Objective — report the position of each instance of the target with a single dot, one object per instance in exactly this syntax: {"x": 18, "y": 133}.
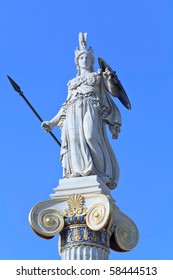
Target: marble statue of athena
{"x": 83, "y": 118}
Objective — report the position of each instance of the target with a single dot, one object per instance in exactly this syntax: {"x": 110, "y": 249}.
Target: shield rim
{"x": 122, "y": 93}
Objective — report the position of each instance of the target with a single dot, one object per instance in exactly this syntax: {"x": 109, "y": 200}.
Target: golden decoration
{"x": 97, "y": 216}
{"x": 76, "y": 206}
{"x": 76, "y": 236}
{"x": 68, "y": 238}
{"x": 67, "y": 246}
{"x": 83, "y": 236}
{"x": 86, "y": 234}
{"x": 51, "y": 221}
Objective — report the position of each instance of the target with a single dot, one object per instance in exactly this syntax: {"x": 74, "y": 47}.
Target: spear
{"x": 17, "y": 88}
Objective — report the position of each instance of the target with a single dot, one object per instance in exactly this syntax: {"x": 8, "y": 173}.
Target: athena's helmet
{"x": 83, "y": 49}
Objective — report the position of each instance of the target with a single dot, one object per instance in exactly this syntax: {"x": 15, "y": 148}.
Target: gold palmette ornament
{"x": 76, "y": 206}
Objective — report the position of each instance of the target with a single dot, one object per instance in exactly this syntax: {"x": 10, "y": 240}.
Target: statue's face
{"x": 84, "y": 61}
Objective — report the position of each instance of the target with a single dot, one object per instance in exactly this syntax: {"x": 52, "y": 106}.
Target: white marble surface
{"x": 81, "y": 185}
{"x": 84, "y": 253}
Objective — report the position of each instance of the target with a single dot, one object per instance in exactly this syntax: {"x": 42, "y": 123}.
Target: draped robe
{"x": 85, "y": 148}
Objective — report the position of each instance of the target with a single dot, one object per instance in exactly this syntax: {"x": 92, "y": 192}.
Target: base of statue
{"x": 80, "y": 185}
{"x": 86, "y": 218}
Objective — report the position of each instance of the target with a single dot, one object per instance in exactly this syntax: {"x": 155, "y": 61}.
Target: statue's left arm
{"x": 112, "y": 115}
{"x": 110, "y": 83}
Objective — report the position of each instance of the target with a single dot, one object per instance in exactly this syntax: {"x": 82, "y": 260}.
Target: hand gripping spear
{"x": 17, "y": 88}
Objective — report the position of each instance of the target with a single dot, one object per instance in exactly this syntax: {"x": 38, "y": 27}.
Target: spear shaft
{"x": 17, "y": 88}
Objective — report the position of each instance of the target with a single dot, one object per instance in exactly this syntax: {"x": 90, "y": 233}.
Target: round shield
{"x": 122, "y": 94}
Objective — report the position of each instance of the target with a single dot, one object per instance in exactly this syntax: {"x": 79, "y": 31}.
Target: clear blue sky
{"x": 38, "y": 39}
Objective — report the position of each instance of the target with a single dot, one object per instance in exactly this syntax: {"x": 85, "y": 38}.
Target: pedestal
{"x": 86, "y": 218}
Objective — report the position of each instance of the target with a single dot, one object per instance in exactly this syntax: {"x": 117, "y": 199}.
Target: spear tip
{"x": 14, "y": 85}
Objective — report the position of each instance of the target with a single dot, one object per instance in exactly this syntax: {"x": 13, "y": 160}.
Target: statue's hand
{"x": 115, "y": 130}
{"x": 47, "y": 126}
{"x": 107, "y": 74}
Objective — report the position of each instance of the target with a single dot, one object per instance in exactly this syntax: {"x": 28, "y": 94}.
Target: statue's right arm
{"x": 58, "y": 119}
